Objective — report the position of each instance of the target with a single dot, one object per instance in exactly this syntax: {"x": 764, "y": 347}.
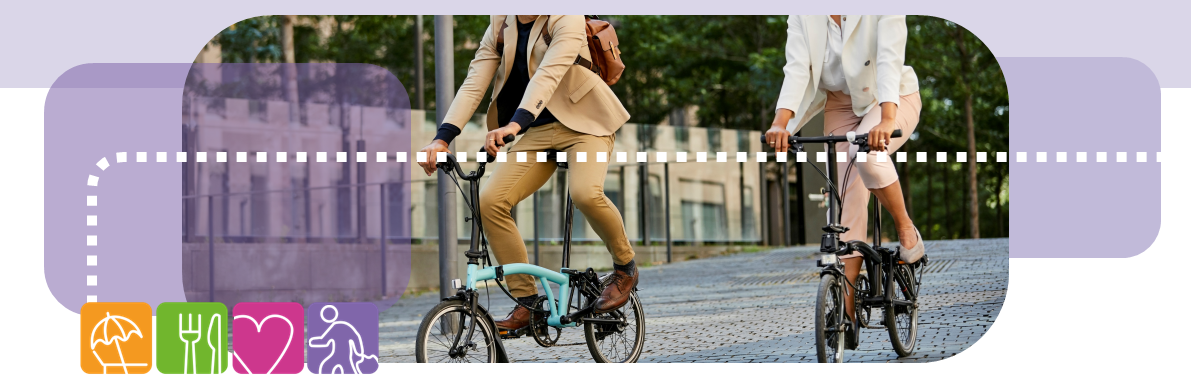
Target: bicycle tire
{"x": 604, "y": 350}
{"x": 437, "y": 349}
{"x": 901, "y": 320}
{"x": 829, "y": 313}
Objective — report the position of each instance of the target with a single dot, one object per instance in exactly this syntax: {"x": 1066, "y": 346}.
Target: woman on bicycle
{"x": 852, "y": 69}
{"x": 543, "y": 92}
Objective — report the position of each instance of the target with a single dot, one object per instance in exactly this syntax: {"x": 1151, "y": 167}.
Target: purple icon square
{"x": 344, "y": 338}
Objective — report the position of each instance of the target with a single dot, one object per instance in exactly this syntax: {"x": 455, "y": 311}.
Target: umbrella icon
{"x": 114, "y": 329}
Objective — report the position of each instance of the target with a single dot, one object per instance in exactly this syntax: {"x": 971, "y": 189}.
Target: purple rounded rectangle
{"x": 116, "y": 236}
{"x": 343, "y": 338}
{"x": 1089, "y": 105}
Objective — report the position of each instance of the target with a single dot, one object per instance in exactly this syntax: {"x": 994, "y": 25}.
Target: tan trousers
{"x": 838, "y": 119}
{"x": 513, "y": 182}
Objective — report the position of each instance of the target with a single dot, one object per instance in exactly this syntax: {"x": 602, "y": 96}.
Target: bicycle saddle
{"x": 552, "y": 155}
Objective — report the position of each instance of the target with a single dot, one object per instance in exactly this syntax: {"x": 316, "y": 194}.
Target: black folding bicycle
{"x": 897, "y": 292}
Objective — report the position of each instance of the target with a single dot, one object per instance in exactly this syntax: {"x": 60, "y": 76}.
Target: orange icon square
{"x": 116, "y": 338}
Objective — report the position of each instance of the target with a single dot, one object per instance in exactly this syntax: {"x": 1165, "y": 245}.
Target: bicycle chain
{"x": 541, "y": 332}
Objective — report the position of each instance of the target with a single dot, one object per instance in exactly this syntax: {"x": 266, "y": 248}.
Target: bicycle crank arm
{"x": 603, "y": 321}
{"x": 569, "y": 318}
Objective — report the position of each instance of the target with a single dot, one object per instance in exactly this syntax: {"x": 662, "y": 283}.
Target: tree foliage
{"x": 727, "y": 67}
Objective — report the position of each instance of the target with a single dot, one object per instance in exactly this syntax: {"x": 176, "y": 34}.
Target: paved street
{"x": 757, "y": 307}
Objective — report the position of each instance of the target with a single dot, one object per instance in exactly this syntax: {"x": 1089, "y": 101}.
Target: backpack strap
{"x": 546, "y": 37}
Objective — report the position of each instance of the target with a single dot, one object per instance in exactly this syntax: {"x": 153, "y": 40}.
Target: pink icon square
{"x": 267, "y": 338}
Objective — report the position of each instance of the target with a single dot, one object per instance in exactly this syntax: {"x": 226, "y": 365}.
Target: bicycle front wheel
{"x": 621, "y": 342}
{"x": 442, "y": 337}
{"x": 902, "y": 320}
{"x": 829, "y": 320}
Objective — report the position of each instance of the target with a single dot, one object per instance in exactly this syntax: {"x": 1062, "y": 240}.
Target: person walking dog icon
{"x": 347, "y": 355}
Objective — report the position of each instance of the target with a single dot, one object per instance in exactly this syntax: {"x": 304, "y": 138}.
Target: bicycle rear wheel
{"x": 618, "y": 343}
{"x": 902, "y": 320}
{"x": 829, "y": 320}
{"x": 447, "y": 321}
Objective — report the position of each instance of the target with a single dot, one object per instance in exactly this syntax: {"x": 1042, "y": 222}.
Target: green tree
{"x": 965, "y": 107}
{"x": 730, "y": 69}
{"x": 727, "y": 66}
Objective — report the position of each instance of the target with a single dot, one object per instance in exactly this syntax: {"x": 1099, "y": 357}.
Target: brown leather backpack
{"x": 602, "y": 43}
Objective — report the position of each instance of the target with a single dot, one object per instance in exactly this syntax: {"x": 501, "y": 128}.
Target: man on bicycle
{"x": 541, "y": 92}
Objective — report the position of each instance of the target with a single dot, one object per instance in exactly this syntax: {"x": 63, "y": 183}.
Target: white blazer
{"x": 873, "y": 57}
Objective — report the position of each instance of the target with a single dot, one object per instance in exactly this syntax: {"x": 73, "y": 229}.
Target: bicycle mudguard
{"x": 501, "y": 355}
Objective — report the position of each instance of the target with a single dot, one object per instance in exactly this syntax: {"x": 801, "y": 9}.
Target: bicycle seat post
{"x": 569, "y": 209}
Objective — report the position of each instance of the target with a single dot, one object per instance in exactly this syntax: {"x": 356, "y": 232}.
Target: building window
{"x": 748, "y": 224}
{"x": 218, "y": 189}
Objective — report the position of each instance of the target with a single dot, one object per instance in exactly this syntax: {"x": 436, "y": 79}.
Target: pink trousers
{"x": 838, "y": 119}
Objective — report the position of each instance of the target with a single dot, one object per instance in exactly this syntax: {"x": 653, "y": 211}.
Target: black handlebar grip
{"x": 489, "y": 158}
{"x": 896, "y": 134}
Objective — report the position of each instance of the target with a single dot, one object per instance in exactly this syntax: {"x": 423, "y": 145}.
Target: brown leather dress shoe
{"x": 616, "y": 294}
{"x": 518, "y": 319}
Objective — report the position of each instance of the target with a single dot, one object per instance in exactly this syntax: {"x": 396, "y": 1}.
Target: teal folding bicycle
{"x": 459, "y": 329}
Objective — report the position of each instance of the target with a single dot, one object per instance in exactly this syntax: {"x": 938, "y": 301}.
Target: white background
{"x": 1072, "y": 317}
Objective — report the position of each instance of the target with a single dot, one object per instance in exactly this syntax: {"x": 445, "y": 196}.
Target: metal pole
{"x": 763, "y": 192}
{"x": 211, "y": 247}
{"x": 361, "y": 204}
{"x": 384, "y": 240}
{"x": 743, "y": 204}
{"x": 666, "y": 187}
{"x": 536, "y": 226}
{"x": 786, "y": 227}
{"x": 644, "y": 173}
{"x": 419, "y": 62}
{"x": 444, "y": 84}
{"x": 800, "y": 203}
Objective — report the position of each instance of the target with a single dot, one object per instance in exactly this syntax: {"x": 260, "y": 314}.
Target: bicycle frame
{"x": 558, "y": 302}
{"x": 874, "y": 254}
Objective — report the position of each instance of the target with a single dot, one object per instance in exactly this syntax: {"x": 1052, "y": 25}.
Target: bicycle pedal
{"x": 510, "y": 334}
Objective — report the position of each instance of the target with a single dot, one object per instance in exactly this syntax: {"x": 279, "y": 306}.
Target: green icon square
{"x": 192, "y": 338}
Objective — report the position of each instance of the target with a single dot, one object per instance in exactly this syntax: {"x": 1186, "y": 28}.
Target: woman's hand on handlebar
{"x": 432, "y": 151}
{"x": 495, "y": 138}
{"x": 778, "y": 138}
{"x": 881, "y": 134}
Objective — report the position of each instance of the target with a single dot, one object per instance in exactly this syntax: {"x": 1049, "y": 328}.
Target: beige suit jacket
{"x": 575, "y": 95}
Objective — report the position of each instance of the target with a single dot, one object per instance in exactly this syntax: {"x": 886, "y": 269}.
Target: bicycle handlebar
{"x": 452, "y": 163}
{"x": 856, "y": 139}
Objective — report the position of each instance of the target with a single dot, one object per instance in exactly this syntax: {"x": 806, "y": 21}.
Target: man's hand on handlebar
{"x": 496, "y": 138}
{"x": 778, "y": 138}
{"x": 432, "y": 151}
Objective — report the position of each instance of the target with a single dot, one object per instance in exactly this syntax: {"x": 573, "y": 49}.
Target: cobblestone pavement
{"x": 757, "y": 307}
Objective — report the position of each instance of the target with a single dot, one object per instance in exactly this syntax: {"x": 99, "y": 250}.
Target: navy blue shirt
{"x": 511, "y": 93}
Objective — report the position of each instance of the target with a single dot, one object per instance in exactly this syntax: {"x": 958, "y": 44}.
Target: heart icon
{"x": 265, "y": 338}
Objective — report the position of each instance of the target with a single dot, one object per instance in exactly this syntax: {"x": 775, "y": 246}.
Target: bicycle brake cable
{"x": 844, "y": 194}
{"x": 834, "y": 190}
{"x": 460, "y": 187}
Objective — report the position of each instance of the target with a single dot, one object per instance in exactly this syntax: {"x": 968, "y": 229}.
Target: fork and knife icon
{"x": 191, "y": 333}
